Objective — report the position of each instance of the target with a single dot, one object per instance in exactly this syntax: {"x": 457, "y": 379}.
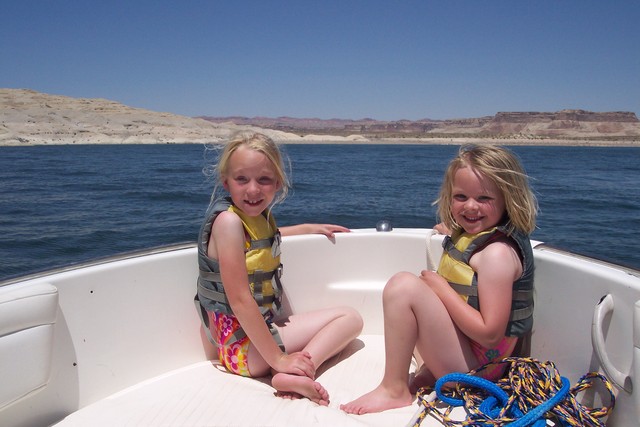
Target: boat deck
{"x": 119, "y": 342}
{"x": 203, "y": 394}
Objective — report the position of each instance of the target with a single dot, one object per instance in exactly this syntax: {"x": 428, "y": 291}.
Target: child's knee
{"x": 400, "y": 284}
{"x": 354, "y": 318}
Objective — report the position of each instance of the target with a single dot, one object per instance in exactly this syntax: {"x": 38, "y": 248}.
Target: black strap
{"x": 518, "y": 295}
{"x": 239, "y": 334}
{"x": 256, "y": 277}
{"x": 523, "y": 295}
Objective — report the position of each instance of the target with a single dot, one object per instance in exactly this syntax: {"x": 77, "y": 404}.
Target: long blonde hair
{"x": 502, "y": 167}
{"x": 262, "y": 144}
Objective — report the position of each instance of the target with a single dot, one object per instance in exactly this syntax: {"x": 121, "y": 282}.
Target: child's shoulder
{"x": 499, "y": 253}
{"x": 500, "y": 246}
{"x": 227, "y": 220}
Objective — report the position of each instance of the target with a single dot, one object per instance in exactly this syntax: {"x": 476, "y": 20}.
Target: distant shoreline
{"x": 30, "y": 118}
{"x": 375, "y": 141}
{"x": 460, "y": 141}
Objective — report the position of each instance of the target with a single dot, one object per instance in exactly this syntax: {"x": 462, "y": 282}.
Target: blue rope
{"x": 530, "y": 393}
{"x": 492, "y": 407}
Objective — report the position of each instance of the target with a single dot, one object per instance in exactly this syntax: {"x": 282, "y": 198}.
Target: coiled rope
{"x": 528, "y": 394}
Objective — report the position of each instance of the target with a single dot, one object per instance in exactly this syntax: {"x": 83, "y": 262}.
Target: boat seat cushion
{"x": 27, "y": 318}
{"x": 204, "y": 394}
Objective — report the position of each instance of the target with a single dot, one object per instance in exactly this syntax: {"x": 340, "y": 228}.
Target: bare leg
{"x": 322, "y": 333}
{"x": 414, "y": 317}
{"x": 399, "y": 342}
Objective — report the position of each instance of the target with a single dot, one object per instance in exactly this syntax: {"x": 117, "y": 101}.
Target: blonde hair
{"x": 502, "y": 167}
{"x": 262, "y": 144}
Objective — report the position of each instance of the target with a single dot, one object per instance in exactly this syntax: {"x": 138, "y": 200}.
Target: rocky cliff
{"x": 32, "y": 118}
{"x": 565, "y": 124}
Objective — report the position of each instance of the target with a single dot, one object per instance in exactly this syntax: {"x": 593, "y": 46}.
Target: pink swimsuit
{"x": 486, "y": 355}
{"x": 233, "y": 356}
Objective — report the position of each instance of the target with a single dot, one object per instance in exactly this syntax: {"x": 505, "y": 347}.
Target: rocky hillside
{"x": 33, "y": 118}
{"x": 565, "y": 124}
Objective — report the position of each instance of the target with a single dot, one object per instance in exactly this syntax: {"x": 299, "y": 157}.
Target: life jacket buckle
{"x": 275, "y": 247}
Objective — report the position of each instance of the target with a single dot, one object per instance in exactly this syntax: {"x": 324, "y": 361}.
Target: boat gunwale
{"x": 632, "y": 271}
{"x": 121, "y": 256}
{"x": 138, "y": 253}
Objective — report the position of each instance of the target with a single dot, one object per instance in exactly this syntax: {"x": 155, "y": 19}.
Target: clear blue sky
{"x": 349, "y": 59}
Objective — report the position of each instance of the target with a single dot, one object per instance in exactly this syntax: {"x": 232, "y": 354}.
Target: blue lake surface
{"x": 67, "y": 204}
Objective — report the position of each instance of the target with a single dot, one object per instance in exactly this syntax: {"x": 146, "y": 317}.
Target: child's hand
{"x": 298, "y": 363}
{"x": 442, "y": 229}
{"x": 329, "y": 229}
{"x": 434, "y": 280}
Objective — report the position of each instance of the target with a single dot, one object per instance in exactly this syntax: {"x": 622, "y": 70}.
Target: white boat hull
{"x": 119, "y": 342}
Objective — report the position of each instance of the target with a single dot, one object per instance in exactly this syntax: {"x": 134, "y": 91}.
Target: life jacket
{"x": 454, "y": 266}
{"x": 262, "y": 255}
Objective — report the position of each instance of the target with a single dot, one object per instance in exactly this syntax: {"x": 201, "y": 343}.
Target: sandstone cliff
{"x": 31, "y": 118}
{"x": 565, "y": 123}
{"x": 561, "y": 125}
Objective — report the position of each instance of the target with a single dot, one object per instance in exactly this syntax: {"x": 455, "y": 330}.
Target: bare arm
{"x": 326, "y": 229}
{"x": 228, "y": 229}
{"x": 497, "y": 266}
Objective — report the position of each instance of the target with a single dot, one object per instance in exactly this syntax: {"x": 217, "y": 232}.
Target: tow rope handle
{"x": 603, "y": 309}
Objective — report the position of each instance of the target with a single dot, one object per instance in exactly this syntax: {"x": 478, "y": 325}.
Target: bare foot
{"x": 378, "y": 400}
{"x": 289, "y": 385}
{"x": 422, "y": 378}
{"x": 288, "y": 395}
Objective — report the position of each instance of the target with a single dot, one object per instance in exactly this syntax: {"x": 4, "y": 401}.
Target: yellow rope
{"x": 528, "y": 383}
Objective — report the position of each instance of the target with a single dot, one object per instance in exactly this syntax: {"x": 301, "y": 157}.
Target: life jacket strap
{"x": 521, "y": 313}
{"x": 260, "y": 244}
{"x": 221, "y": 298}
{"x": 239, "y": 334}
{"x": 204, "y": 319}
{"x": 271, "y": 242}
{"x": 456, "y": 254}
{"x": 523, "y": 295}
{"x": 257, "y": 276}
{"x": 518, "y": 295}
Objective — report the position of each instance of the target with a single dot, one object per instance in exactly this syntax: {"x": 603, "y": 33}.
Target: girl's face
{"x": 251, "y": 181}
{"x": 477, "y": 203}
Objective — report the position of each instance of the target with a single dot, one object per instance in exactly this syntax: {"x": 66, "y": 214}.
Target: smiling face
{"x": 477, "y": 203}
{"x": 251, "y": 181}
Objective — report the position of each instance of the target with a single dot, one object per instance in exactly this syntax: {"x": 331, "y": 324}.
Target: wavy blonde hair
{"x": 262, "y": 144}
{"x": 502, "y": 167}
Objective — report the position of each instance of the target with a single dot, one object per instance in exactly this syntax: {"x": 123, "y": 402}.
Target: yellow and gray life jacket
{"x": 262, "y": 255}
{"x": 454, "y": 266}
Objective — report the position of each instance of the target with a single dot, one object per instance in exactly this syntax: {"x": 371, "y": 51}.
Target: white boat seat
{"x": 183, "y": 397}
{"x": 27, "y": 318}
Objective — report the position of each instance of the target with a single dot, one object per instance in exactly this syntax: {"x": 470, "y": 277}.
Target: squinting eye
{"x": 460, "y": 197}
{"x": 265, "y": 180}
{"x": 241, "y": 179}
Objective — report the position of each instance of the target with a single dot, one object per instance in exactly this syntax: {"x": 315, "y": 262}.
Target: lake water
{"x": 68, "y": 204}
